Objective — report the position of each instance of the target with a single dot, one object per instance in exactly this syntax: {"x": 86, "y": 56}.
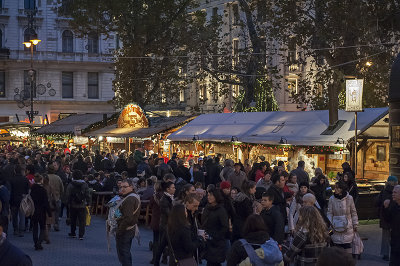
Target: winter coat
{"x": 57, "y": 186}
{"x": 41, "y": 202}
{"x": 238, "y": 253}
{"x": 226, "y": 172}
{"x": 392, "y": 216}
{"x": 302, "y": 176}
{"x": 10, "y": 255}
{"x": 236, "y": 179}
{"x": 154, "y": 205}
{"x": 385, "y": 194}
{"x": 78, "y": 186}
{"x": 19, "y": 187}
{"x": 165, "y": 208}
{"x": 5, "y": 201}
{"x": 264, "y": 184}
{"x": 275, "y": 223}
{"x": 243, "y": 206}
{"x": 106, "y": 165}
{"x": 293, "y": 213}
{"x": 215, "y": 223}
{"x": 343, "y": 206}
{"x": 279, "y": 200}
{"x": 129, "y": 217}
{"x": 319, "y": 192}
{"x": 183, "y": 244}
{"x": 183, "y": 172}
{"x": 80, "y": 165}
{"x": 198, "y": 176}
{"x": 120, "y": 165}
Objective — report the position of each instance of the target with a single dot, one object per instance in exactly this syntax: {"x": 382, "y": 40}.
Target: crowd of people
{"x": 202, "y": 210}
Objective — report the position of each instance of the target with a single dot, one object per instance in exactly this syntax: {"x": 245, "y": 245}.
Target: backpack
{"x": 27, "y": 205}
{"x": 114, "y": 214}
{"x": 268, "y": 254}
{"x": 77, "y": 195}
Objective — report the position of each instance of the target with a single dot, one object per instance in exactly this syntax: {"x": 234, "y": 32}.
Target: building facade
{"x": 72, "y": 74}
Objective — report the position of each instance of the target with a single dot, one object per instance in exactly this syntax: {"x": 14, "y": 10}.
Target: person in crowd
{"x": 182, "y": 243}
{"x": 317, "y": 173}
{"x": 302, "y": 176}
{"x": 292, "y": 184}
{"x": 121, "y": 164}
{"x": 148, "y": 193}
{"x": 78, "y": 198}
{"x": 288, "y": 193}
{"x": 30, "y": 174}
{"x": 141, "y": 185}
{"x": 96, "y": 185}
{"x": 260, "y": 172}
{"x": 57, "y": 189}
{"x": 318, "y": 187}
{"x": 254, "y": 232}
{"x": 350, "y": 181}
{"x": 127, "y": 222}
{"x": 185, "y": 190}
{"x": 334, "y": 256}
{"x": 109, "y": 182}
{"x": 237, "y": 177}
{"x": 385, "y": 194}
{"x": 347, "y": 169}
{"x": 52, "y": 204}
{"x": 107, "y": 164}
{"x": 247, "y": 167}
{"x": 182, "y": 171}
{"x": 216, "y": 225}
{"x": 154, "y": 205}
{"x": 143, "y": 168}
{"x": 19, "y": 188}
{"x": 296, "y": 204}
{"x": 265, "y": 182}
{"x": 5, "y": 203}
{"x": 310, "y": 238}
{"x": 227, "y": 170}
{"x": 165, "y": 209}
{"x": 225, "y": 188}
{"x": 276, "y": 189}
{"x": 198, "y": 175}
{"x": 243, "y": 205}
{"x": 97, "y": 160}
{"x": 42, "y": 207}
{"x": 10, "y": 255}
{"x": 192, "y": 203}
{"x": 191, "y": 164}
{"x": 80, "y": 165}
{"x": 391, "y": 213}
{"x": 272, "y": 217}
{"x": 342, "y": 214}
{"x": 131, "y": 166}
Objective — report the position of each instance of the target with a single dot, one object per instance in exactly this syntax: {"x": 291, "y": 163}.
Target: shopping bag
{"x": 357, "y": 245}
{"x": 88, "y": 217}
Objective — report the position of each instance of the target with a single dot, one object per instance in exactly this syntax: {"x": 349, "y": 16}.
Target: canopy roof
{"x": 68, "y": 124}
{"x": 157, "y": 125}
{"x": 299, "y": 128}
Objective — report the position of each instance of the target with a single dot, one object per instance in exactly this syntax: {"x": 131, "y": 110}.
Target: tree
{"x": 336, "y": 39}
{"x": 170, "y": 44}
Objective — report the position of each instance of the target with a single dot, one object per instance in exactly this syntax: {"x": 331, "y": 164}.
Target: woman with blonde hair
{"x": 310, "y": 238}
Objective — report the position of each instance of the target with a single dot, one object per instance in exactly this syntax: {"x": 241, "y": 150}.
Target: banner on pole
{"x": 354, "y": 93}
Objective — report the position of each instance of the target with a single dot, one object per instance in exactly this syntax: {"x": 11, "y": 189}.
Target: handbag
{"x": 88, "y": 216}
{"x": 339, "y": 223}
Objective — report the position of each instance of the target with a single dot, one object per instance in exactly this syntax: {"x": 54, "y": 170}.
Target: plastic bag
{"x": 88, "y": 216}
{"x": 357, "y": 245}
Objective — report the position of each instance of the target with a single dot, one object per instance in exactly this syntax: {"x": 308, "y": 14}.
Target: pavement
{"x": 65, "y": 251}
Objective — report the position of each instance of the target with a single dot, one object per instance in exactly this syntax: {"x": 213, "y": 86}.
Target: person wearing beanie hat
{"x": 385, "y": 194}
{"x": 304, "y": 184}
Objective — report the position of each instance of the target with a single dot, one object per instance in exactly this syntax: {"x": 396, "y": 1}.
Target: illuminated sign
{"x": 132, "y": 117}
{"x": 354, "y": 93}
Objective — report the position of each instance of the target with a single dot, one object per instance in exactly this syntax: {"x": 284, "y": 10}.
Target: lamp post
{"x": 33, "y": 42}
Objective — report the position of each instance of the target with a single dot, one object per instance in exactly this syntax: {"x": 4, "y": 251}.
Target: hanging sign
{"x": 354, "y": 93}
{"x": 132, "y": 116}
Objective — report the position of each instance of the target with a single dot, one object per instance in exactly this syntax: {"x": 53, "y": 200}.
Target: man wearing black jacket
{"x": 276, "y": 189}
{"x": 392, "y": 216}
{"x": 165, "y": 208}
{"x": 272, "y": 218}
{"x": 19, "y": 188}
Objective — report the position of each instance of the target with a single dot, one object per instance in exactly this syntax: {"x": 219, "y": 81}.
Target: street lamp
{"x": 32, "y": 43}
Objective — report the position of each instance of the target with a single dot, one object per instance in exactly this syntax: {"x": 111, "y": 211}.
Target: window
{"x": 2, "y": 84}
{"x": 292, "y": 85}
{"x": 215, "y": 12}
{"x": 235, "y": 91}
{"x": 182, "y": 95}
{"x": 236, "y": 16}
{"x": 235, "y": 52}
{"x": 29, "y": 4}
{"x": 93, "y": 43}
{"x": 67, "y": 41}
{"x": 203, "y": 92}
{"x": 29, "y": 34}
{"x": 380, "y": 153}
{"x": 216, "y": 92}
{"x": 292, "y": 51}
{"x": 93, "y": 85}
{"x": 67, "y": 84}
{"x": 27, "y": 84}
{"x": 163, "y": 96}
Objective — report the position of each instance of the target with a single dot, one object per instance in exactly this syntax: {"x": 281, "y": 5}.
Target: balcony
{"x": 60, "y": 56}
{"x": 4, "y": 12}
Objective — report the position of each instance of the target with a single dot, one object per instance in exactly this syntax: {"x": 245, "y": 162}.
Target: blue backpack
{"x": 272, "y": 253}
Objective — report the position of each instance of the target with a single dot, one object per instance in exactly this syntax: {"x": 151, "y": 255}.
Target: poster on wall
{"x": 354, "y": 93}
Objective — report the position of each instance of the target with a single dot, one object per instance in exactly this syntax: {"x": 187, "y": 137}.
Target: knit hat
{"x": 392, "y": 178}
{"x": 225, "y": 184}
{"x": 304, "y": 184}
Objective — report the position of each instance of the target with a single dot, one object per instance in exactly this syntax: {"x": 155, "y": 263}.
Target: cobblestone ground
{"x": 64, "y": 251}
